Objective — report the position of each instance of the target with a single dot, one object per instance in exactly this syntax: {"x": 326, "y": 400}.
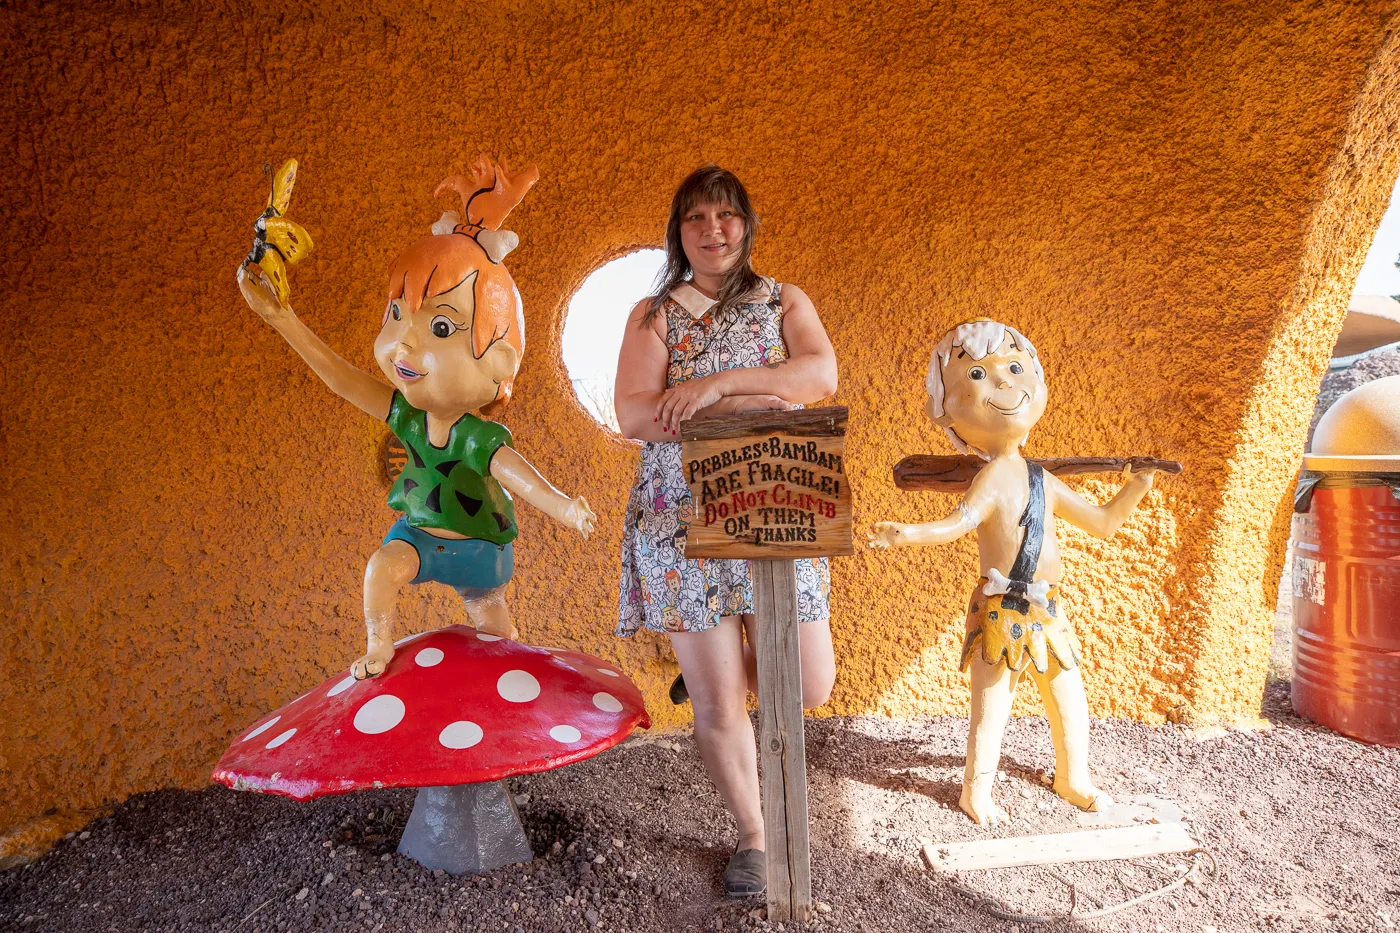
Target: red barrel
{"x": 1346, "y": 603}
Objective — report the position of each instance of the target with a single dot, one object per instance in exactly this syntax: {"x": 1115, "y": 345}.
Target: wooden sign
{"x": 771, "y": 486}
{"x": 954, "y": 473}
{"x": 768, "y": 485}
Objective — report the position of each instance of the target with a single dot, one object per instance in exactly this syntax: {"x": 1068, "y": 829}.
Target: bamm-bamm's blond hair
{"x": 975, "y": 338}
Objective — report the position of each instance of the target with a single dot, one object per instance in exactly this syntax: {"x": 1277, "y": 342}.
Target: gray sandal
{"x": 746, "y": 875}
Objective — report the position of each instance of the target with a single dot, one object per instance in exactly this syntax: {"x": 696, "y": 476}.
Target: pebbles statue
{"x": 986, "y": 391}
{"x": 449, "y": 345}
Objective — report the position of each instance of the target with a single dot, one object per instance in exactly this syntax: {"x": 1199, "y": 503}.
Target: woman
{"x": 715, "y": 339}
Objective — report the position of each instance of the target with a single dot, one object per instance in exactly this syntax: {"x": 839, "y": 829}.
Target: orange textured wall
{"x": 1171, "y": 199}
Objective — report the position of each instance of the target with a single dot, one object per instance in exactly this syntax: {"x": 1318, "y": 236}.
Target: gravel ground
{"x": 1301, "y": 822}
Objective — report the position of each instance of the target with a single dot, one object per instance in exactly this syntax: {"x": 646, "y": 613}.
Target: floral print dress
{"x": 661, "y": 590}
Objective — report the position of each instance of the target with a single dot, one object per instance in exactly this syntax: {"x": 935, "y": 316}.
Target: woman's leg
{"x": 818, "y": 660}
{"x": 391, "y": 568}
{"x": 713, "y": 665}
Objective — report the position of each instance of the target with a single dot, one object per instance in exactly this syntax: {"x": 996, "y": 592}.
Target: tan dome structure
{"x": 1364, "y": 423}
{"x": 1175, "y": 199}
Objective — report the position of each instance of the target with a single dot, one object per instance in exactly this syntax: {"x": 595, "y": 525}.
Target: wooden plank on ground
{"x": 781, "y": 740}
{"x": 954, "y": 473}
{"x": 1091, "y": 845}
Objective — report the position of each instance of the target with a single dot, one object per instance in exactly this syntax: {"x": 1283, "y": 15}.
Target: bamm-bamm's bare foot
{"x": 1085, "y": 796}
{"x": 981, "y": 808}
{"x": 373, "y": 663}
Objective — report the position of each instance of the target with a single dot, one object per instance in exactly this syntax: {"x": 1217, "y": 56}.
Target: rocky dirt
{"x": 1302, "y": 824}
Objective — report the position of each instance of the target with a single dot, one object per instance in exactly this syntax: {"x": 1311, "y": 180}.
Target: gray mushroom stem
{"x": 465, "y": 829}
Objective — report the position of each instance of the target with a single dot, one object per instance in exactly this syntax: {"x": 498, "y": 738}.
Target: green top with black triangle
{"x": 451, "y": 487}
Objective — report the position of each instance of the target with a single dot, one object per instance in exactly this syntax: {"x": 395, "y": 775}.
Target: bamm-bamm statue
{"x": 450, "y": 344}
{"x": 987, "y": 390}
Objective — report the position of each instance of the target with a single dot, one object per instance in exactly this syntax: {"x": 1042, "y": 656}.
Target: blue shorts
{"x": 471, "y": 566}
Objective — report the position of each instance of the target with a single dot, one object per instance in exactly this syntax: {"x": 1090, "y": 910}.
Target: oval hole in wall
{"x": 594, "y": 325}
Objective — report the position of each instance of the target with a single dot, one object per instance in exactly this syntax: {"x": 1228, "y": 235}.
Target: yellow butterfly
{"x": 277, "y": 241}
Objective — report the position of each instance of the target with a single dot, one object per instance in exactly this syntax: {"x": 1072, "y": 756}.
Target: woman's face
{"x": 712, "y": 236}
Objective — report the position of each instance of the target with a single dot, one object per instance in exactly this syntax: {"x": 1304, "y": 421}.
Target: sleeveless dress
{"x": 660, "y": 589}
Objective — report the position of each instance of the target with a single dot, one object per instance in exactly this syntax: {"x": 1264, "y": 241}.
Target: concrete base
{"x": 466, "y": 829}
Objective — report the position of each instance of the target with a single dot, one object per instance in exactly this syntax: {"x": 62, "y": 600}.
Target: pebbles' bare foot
{"x": 1090, "y": 798}
{"x": 500, "y": 628}
{"x": 373, "y": 663}
{"x": 982, "y": 809}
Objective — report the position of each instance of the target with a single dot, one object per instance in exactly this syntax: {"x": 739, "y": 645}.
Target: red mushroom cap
{"x": 454, "y": 706}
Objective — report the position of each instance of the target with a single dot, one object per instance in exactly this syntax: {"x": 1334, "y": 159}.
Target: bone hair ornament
{"x": 987, "y": 391}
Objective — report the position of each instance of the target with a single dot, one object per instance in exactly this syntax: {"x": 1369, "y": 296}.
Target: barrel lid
{"x": 1351, "y": 464}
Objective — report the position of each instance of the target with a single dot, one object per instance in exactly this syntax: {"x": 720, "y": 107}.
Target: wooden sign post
{"x": 771, "y": 487}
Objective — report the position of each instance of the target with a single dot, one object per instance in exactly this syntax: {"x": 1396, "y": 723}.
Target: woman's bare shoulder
{"x": 791, "y": 292}
{"x": 794, "y": 299}
{"x": 637, "y": 317}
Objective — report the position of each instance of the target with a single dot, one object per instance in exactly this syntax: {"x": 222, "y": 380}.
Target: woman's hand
{"x": 680, "y": 402}
{"x": 258, "y": 292}
{"x": 743, "y": 403}
{"x": 578, "y": 516}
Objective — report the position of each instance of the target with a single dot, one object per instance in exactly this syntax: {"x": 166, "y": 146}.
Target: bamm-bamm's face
{"x": 994, "y": 400}
{"x": 427, "y": 354}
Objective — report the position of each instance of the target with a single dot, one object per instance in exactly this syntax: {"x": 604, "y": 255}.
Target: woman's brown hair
{"x": 708, "y": 184}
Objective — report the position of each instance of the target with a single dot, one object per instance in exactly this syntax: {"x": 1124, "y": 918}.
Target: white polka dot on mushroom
{"x": 565, "y": 734}
{"x": 261, "y": 729}
{"x": 461, "y": 734}
{"x": 484, "y": 637}
{"x": 428, "y": 657}
{"x": 341, "y": 687}
{"x": 282, "y": 738}
{"x": 518, "y": 687}
{"x": 608, "y": 673}
{"x": 380, "y": 714}
{"x": 607, "y": 702}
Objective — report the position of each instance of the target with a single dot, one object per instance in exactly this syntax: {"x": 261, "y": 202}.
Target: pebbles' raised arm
{"x": 358, "y": 388}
